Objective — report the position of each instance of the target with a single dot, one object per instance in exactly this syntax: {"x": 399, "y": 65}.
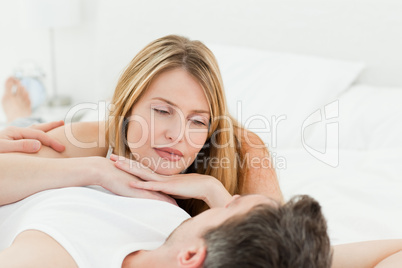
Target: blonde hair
{"x": 223, "y": 141}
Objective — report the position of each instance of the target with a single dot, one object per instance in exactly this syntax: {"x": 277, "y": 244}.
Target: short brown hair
{"x": 292, "y": 235}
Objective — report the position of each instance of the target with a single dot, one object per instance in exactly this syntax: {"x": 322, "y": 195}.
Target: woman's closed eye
{"x": 199, "y": 123}
{"x": 194, "y": 120}
{"x": 160, "y": 111}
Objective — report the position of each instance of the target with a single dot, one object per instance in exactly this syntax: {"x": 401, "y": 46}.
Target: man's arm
{"x": 380, "y": 253}
{"x": 34, "y": 248}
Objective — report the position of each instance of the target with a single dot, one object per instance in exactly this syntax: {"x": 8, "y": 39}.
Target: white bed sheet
{"x": 361, "y": 195}
{"x": 361, "y": 198}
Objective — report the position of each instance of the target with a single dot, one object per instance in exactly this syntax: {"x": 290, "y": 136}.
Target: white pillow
{"x": 268, "y": 87}
{"x": 369, "y": 118}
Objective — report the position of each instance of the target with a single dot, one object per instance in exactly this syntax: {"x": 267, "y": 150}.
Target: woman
{"x": 170, "y": 115}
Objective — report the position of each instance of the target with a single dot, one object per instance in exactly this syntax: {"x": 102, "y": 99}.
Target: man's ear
{"x": 192, "y": 257}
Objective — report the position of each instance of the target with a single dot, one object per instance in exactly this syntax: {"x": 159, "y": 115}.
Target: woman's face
{"x": 169, "y": 124}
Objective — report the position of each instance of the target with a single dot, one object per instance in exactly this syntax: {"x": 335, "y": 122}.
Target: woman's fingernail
{"x": 36, "y": 146}
{"x": 114, "y": 157}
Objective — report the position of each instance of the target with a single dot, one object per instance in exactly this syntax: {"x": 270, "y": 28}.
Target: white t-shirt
{"x": 97, "y": 228}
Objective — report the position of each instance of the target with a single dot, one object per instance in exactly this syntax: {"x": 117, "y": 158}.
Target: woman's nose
{"x": 175, "y": 129}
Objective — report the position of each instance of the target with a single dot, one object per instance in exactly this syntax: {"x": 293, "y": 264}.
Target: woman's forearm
{"x": 215, "y": 194}
{"x": 22, "y": 176}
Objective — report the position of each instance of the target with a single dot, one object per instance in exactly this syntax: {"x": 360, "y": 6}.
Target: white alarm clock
{"x": 30, "y": 76}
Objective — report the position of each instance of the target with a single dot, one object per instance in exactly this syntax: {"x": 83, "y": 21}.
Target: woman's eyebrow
{"x": 175, "y": 105}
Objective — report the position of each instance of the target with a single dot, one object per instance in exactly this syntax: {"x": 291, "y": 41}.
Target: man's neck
{"x": 136, "y": 259}
{"x": 160, "y": 257}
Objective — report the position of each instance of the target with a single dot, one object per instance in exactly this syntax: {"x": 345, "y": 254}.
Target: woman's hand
{"x": 30, "y": 139}
{"x": 119, "y": 182}
{"x": 180, "y": 186}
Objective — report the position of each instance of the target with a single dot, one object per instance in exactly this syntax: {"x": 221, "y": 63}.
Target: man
{"x": 84, "y": 227}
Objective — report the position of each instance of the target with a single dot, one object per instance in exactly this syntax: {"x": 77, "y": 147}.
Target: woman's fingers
{"x": 149, "y": 185}
{"x": 42, "y": 137}
{"x": 114, "y": 157}
{"x": 11, "y": 135}
{"x": 137, "y": 169}
{"x": 48, "y": 126}
{"x": 174, "y": 188}
{"x": 157, "y": 186}
{"x": 45, "y": 127}
{"x": 23, "y": 146}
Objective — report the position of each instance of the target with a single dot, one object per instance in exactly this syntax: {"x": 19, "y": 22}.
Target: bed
{"x": 330, "y": 137}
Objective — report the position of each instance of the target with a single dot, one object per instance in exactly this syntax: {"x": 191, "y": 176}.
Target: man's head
{"x": 293, "y": 235}
{"x": 250, "y": 231}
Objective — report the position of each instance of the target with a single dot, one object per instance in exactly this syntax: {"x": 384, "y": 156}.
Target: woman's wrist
{"x": 93, "y": 173}
{"x": 216, "y": 194}
{"x": 82, "y": 171}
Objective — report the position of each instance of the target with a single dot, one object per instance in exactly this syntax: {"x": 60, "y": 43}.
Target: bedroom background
{"x": 325, "y": 77}
{"x": 91, "y": 54}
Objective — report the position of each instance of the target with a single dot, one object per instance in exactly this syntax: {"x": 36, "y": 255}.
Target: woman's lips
{"x": 167, "y": 155}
